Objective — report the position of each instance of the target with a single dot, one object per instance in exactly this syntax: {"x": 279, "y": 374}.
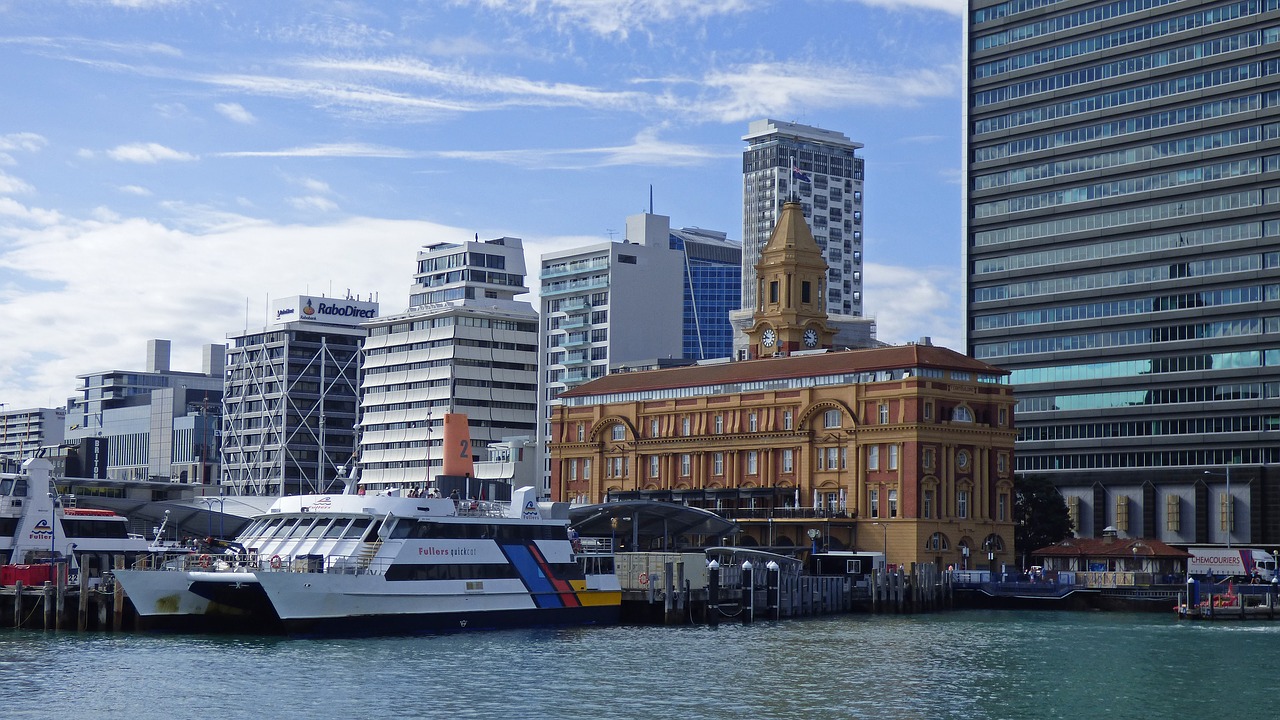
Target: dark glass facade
{"x": 1122, "y": 254}
{"x": 712, "y": 288}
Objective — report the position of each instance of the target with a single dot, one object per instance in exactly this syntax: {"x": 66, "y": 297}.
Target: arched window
{"x": 961, "y": 414}
{"x": 938, "y": 542}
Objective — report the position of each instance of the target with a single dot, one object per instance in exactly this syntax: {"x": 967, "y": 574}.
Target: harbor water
{"x": 964, "y": 664}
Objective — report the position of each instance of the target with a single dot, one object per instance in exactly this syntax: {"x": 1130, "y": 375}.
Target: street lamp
{"x": 813, "y": 534}
{"x": 885, "y": 527}
{"x": 208, "y": 502}
{"x": 1231, "y": 503}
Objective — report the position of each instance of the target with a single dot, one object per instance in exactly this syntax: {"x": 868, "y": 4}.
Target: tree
{"x": 1040, "y": 514}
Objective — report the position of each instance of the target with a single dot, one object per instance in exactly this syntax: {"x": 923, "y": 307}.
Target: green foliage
{"x": 1040, "y": 513}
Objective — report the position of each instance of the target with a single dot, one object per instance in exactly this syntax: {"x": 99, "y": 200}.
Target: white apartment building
{"x": 822, "y": 170}
{"x": 465, "y": 345}
{"x": 23, "y": 432}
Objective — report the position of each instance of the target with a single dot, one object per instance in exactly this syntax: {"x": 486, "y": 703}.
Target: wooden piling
{"x": 17, "y": 604}
{"x": 47, "y": 598}
{"x": 82, "y": 615}
{"x": 117, "y": 606}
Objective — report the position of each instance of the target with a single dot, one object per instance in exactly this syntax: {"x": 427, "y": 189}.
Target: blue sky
{"x": 169, "y": 166}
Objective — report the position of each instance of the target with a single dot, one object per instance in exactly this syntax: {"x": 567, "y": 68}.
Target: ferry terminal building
{"x": 906, "y": 449}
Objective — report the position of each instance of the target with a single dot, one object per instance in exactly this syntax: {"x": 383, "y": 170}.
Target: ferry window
{"x": 401, "y": 529}
{"x": 279, "y": 528}
{"x": 6, "y": 487}
{"x": 95, "y": 528}
{"x": 300, "y": 530}
{"x": 318, "y": 529}
{"x": 356, "y": 529}
{"x": 335, "y": 530}
{"x": 8, "y": 526}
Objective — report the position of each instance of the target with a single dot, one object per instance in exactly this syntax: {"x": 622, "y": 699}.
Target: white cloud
{"x": 336, "y": 150}
{"x": 913, "y": 302}
{"x": 235, "y": 112}
{"x": 30, "y": 142}
{"x": 36, "y": 216}
{"x": 951, "y": 7}
{"x": 135, "y": 190}
{"x": 620, "y": 17}
{"x": 148, "y": 153}
{"x": 10, "y": 185}
{"x": 769, "y": 89}
{"x": 313, "y": 202}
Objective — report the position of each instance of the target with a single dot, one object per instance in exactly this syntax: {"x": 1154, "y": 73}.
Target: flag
{"x": 800, "y": 175}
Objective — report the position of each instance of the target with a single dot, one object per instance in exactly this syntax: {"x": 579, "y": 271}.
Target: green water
{"x": 971, "y": 664}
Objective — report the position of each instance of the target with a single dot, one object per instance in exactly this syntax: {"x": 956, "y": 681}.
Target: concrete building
{"x": 905, "y": 449}
{"x": 23, "y": 432}
{"x": 1122, "y": 254}
{"x": 464, "y": 346}
{"x": 159, "y": 424}
{"x": 292, "y": 391}
{"x": 820, "y": 169}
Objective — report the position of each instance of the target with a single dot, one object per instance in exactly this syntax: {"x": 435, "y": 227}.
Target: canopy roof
{"x": 648, "y": 519}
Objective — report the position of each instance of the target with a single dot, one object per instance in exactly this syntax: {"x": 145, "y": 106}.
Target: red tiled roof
{"x": 1112, "y": 548}
{"x": 795, "y": 366}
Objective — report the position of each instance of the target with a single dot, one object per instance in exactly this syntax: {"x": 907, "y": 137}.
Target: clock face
{"x": 768, "y": 338}
{"x": 810, "y": 337}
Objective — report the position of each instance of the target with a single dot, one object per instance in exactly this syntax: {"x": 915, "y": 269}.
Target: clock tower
{"x": 791, "y": 288}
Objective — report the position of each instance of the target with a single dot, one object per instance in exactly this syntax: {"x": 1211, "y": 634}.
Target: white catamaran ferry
{"x": 351, "y": 564}
{"x": 40, "y": 526}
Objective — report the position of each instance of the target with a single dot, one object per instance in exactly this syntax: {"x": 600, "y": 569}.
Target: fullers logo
{"x": 323, "y": 503}
{"x": 42, "y": 531}
{"x": 530, "y": 510}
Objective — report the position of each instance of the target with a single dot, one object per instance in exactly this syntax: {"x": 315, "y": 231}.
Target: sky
{"x": 169, "y": 167}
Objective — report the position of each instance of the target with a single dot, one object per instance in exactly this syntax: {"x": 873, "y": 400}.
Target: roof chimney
{"x": 1108, "y": 535}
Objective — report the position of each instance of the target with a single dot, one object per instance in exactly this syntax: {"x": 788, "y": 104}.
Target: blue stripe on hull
{"x": 439, "y": 623}
{"x": 544, "y": 593}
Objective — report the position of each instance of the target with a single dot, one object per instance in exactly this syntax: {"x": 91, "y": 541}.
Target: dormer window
{"x": 962, "y": 414}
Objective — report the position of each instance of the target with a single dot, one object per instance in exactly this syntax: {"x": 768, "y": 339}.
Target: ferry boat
{"x": 38, "y": 526}
{"x": 349, "y": 564}
{"x": 391, "y": 562}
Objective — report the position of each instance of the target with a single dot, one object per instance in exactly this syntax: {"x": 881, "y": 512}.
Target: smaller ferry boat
{"x": 39, "y": 528}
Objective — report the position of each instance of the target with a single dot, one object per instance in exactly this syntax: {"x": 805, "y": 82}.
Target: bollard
{"x": 773, "y": 589}
{"x": 713, "y": 592}
{"x": 48, "y": 605}
{"x": 82, "y": 615}
{"x": 748, "y": 593}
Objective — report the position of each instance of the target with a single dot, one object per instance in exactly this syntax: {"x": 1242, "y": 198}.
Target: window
{"x": 582, "y": 432}
{"x": 874, "y": 497}
{"x": 751, "y": 462}
{"x": 928, "y": 410}
{"x": 773, "y": 291}
{"x": 926, "y": 504}
{"x": 805, "y": 292}
{"x": 619, "y": 432}
{"x": 654, "y": 464}
{"x": 873, "y": 457}
{"x": 1002, "y": 506}
{"x": 1173, "y": 513}
{"x": 717, "y": 463}
{"x": 831, "y": 458}
{"x": 686, "y": 465}
{"x": 586, "y": 469}
{"x": 1004, "y": 416}
{"x": 928, "y": 458}
{"x": 893, "y": 503}
{"x": 617, "y": 467}
{"x": 573, "y": 470}
{"x": 1002, "y": 463}
{"x": 893, "y": 457}
{"x": 1122, "y": 513}
{"x": 831, "y": 419}
{"x": 962, "y": 504}
{"x": 684, "y": 425}
{"x": 962, "y": 459}
{"x": 787, "y": 420}
{"x": 937, "y": 541}
{"x": 961, "y": 413}
{"x": 753, "y": 422}
{"x": 719, "y": 424}
{"x": 788, "y": 461}
{"x": 653, "y": 428}
{"x": 884, "y": 414}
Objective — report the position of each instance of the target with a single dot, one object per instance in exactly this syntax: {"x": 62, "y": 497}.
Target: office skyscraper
{"x": 1122, "y": 257}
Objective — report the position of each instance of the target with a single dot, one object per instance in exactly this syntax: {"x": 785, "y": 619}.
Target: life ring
{"x": 275, "y": 562}
{"x": 205, "y": 560}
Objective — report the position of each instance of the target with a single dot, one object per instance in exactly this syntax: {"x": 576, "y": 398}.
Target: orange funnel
{"x": 457, "y": 446}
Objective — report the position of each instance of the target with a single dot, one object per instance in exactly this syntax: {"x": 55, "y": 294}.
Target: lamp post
{"x": 1231, "y": 503}
{"x": 885, "y": 527}
{"x": 208, "y": 503}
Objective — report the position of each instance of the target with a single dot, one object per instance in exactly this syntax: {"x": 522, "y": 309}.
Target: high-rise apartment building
{"x": 822, "y": 170}
{"x": 1122, "y": 254}
{"x": 289, "y": 424}
{"x": 25, "y": 431}
{"x": 465, "y": 346}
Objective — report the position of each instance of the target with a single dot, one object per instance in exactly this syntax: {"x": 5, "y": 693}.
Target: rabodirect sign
{"x": 330, "y": 311}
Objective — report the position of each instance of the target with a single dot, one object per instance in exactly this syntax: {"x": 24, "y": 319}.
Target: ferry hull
{"x": 199, "y": 601}
{"x": 370, "y": 605}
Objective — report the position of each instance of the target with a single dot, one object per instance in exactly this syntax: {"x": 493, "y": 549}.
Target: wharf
{"x": 746, "y": 585}
{"x": 1235, "y": 602}
{"x": 57, "y": 606}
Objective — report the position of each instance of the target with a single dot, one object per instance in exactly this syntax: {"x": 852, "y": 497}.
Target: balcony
{"x": 575, "y": 268}
{"x": 573, "y": 286}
